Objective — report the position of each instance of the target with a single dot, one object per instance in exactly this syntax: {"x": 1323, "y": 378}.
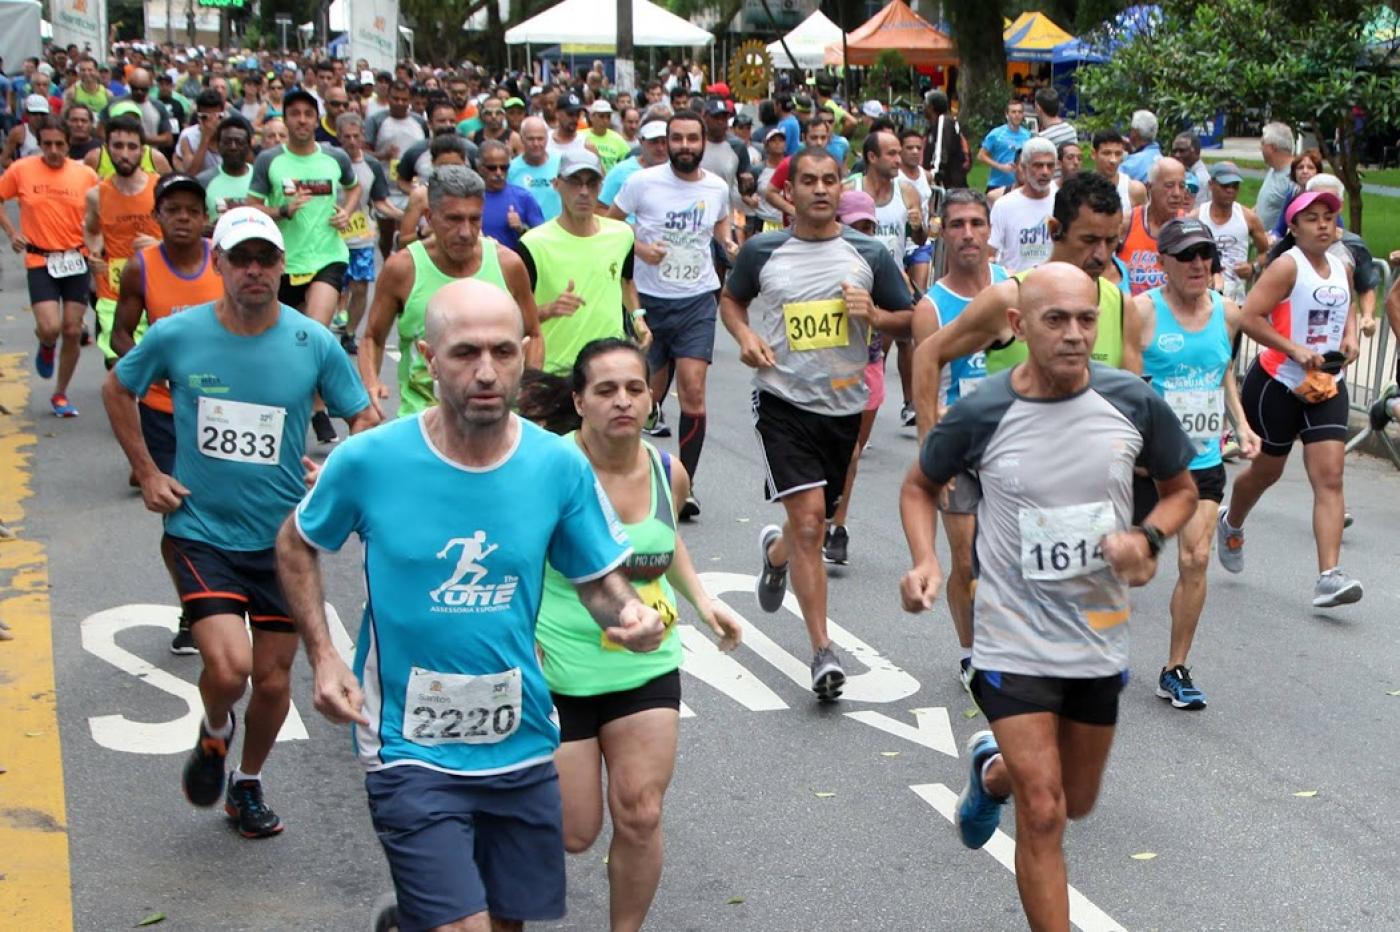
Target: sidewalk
{"x": 1237, "y": 148}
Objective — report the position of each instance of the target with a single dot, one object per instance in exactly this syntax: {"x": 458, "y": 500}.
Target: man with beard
{"x": 1020, "y": 218}
{"x": 454, "y": 251}
{"x": 120, "y": 220}
{"x": 680, "y": 210}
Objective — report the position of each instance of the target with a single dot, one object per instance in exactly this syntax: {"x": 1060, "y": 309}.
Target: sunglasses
{"x": 493, "y": 168}
{"x": 1200, "y": 251}
{"x": 241, "y": 258}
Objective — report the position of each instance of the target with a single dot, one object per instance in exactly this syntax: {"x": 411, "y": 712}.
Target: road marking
{"x": 1082, "y": 913}
{"x": 704, "y": 661}
{"x": 931, "y": 728}
{"x": 882, "y": 681}
{"x": 35, "y": 887}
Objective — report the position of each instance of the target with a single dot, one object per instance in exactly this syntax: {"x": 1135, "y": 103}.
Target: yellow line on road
{"x": 35, "y": 892}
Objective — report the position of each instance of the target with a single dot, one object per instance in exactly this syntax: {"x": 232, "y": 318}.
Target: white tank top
{"x": 1232, "y": 239}
{"x": 30, "y": 146}
{"x": 1125, "y": 193}
{"x": 1313, "y": 315}
{"x": 892, "y": 220}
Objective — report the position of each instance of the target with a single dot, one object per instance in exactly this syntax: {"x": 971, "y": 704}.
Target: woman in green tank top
{"x": 618, "y": 709}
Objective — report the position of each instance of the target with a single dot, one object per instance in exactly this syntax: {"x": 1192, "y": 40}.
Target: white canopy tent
{"x": 335, "y": 19}
{"x": 594, "y": 22}
{"x": 807, "y": 41}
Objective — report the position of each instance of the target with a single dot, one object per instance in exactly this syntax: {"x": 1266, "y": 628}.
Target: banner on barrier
{"x": 82, "y": 23}
{"x": 373, "y": 26}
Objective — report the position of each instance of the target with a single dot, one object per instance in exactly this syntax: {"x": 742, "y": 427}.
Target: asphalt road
{"x": 783, "y": 815}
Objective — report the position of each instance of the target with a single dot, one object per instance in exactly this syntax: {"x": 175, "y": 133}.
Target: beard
{"x": 685, "y": 162}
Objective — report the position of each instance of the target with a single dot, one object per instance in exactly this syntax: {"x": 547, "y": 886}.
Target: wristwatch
{"x": 1155, "y": 538}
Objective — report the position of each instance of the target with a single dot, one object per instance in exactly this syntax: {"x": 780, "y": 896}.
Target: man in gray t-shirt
{"x": 1052, "y": 444}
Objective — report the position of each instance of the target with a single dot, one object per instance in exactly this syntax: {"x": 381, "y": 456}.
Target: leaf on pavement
{"x": 1144, "y": 855}
{"x": 743, "y": 520}
{"x": 889, "y": 753}
{"x": 971, "y": 713}
{"x": 151, "y": 920}
{"x": 33, "y": 734}
{"x": 823, "y": 795}
{"x": 734, "y": 901}
{"x": 1393, "y": 692}
{"x": 1306, "y": 794}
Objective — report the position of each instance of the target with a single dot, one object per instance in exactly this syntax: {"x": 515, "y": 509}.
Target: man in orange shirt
{"x": 120, "y": 220}
{"x": 52, "y": 191}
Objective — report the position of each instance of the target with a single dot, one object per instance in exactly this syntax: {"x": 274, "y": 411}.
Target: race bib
{"x": 1202, "y": 414}
{"x": 968, "y": 386}
{"x": 296, "y": 281}
{"x": 653, "y": 595}
{"x": 682, "y": 265}
{"x": 357, "y": 228}
{"x": 114, "y": 274}
{"x": 241, "y": 432}
{"x": 456, "y": 708}
{"x": 814, "y": 325}
{"x": 65, "y": 264}
{"x": 1062, "y": 543}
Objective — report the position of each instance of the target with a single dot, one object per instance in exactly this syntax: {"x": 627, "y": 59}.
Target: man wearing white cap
{"x": 22, "y": 140}
{"x": 242, "y": 371}
{"x": 651, "y": 151}
{"x": 607, "y": 142}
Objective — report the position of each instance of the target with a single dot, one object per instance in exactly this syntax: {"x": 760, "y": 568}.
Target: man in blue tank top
{"x": 1188, "y": 332}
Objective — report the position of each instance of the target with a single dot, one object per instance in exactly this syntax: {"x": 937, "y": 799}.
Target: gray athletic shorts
{"x": 681, "y": 328}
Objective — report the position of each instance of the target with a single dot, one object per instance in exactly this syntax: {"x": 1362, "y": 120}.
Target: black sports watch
{"x": 1155, "y": 538}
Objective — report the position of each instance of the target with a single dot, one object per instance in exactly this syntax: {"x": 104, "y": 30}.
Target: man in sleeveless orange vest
{"x": 1167, "y": 197}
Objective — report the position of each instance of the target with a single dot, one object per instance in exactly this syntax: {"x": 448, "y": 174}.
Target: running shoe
{"x": 836, "y": 544}
{"x": 347, "y": 343}
{"x": 86, "y": 338}
{"x": 771, "y": 585}
{"x": 828, "y": 677}
{"x": 1347, "y": 520}
{"x": 325, "y": 430}
{"x": 61, "y": 407}
{"x": 203, "y": 779}
{"x": 979, "y": 813}
{"x": 655, "y": 425}
{"x": 965, "y": 675}
{"x": 340, "y": 320}
{"x": 1175, "y": 684}
{"x": 244, "y": 805}
{"x": 1335, "y": 588}
{"x": 1380, "y": 408}
{"x": 690, "y": 508}
{"x": 43, "y": 360}
{"x": 183, "y": 641}
{"x": 1229, "y": 544}
{"x": 907, "y": 417}
{"x": 384, "y": 914}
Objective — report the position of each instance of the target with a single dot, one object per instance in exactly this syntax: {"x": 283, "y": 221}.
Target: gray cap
{"x": 580, "y": 160}
{"x": 1225, "y": 173}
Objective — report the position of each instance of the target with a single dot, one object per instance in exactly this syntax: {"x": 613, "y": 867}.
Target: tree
{"x": 982, "y": 90}
{"x": 1295, "y": 60}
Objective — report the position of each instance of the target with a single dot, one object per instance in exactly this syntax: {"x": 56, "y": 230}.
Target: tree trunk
{"x": 981, "y": 91}
{"x": 1345, "y": 165}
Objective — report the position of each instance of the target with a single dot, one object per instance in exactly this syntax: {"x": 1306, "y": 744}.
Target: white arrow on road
{"x": 1082, "y": 913}
{"x": 931, "y": 728}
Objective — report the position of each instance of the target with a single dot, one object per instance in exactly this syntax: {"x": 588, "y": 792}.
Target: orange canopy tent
{"x": 900, "y": 28}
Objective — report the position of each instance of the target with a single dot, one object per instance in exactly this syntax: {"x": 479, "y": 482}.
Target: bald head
{"x": 1165, "y": 169}
{"x": 1167, "y": 194}
{"x": 1058, "y": 284}
{"x": 475, "y": 303}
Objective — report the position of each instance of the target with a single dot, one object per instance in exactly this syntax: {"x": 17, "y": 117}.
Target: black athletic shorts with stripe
{"x": 213, "y": 581}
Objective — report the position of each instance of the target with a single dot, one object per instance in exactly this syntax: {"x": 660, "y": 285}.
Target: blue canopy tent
{"x": 1096, "y": 48}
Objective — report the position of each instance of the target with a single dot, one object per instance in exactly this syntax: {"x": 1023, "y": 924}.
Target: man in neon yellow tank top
{"x": 1084, "y": 230}
{"x": 455, "y": 250}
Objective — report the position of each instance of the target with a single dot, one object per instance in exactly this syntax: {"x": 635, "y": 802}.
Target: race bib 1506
{"x": 1202, "y": 414}
{"x": 457, "y": 708}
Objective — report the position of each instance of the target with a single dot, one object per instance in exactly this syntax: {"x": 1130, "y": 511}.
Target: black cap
{"x": 743, "y": 119}
{"x": 716, "y": 108}
{"x": 301, "y": 94}
{"x": 178, "y": 181}
{"x": 1180, "y": 234}
{"x": 571, "y": 103}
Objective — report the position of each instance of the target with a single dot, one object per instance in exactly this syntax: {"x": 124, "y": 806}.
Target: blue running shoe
{"x": 1175, "y": 684}
{"x": 979, "y": 812}
{"x": 43, "y": 360}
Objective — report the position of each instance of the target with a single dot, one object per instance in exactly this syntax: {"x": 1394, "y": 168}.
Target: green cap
{"x": 514, "y": 102}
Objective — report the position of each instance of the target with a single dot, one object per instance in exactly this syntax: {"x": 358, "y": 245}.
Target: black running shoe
{"x": 325, "y": 430}
{"x": 347, "y": 343}
{"x": 244, "y": 805}
{"x": 690, "y": 509}
{"x": 203, "y": 779}
{"x": 771, "y": 584}
{"x": 183, "y": 642}
{"x": 834, "y": 549}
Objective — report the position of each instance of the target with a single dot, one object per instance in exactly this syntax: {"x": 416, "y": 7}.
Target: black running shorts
{"x": 582, "y": 717}
{"x": 213, "y": 581}
{"x": 802, "y": 449}
{"x": 1280, "y": 417}
{"x": 1088, "y": 701}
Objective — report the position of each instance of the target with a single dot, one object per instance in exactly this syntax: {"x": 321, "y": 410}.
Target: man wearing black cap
{"x": 565, "y": 137}
{"x": 299, "y": 185}
{"x": 1187, "y": 339}
{"x": 725, "y": 155}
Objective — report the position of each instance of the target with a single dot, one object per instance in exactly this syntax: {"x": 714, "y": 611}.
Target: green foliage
{"x": 1233, "y": 55}
{"x": 889, "y": 75}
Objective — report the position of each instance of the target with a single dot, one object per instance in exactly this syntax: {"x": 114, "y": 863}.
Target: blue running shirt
{"x": 454, "y": 567}
{"x": 961, "y": 375}
{"x": 1188, "y": 371}
{"x": 242, "y": 406}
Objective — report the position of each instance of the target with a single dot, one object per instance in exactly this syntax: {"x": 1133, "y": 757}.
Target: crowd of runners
{"x": 553, "y": 258}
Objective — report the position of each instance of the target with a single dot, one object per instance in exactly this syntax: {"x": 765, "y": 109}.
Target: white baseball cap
{"x": 600, "y": 106}
{"x": 652, "y": 129}
{"x": 37, "y": 103}
{"x": 244, "y": 223}
{"x": 873, "y": 109}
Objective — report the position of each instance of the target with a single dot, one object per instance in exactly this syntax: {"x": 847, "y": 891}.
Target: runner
{"x": 1109, "y": 151}
{"x": 619, "y": 710}
{"x": 1001, "y": 144}
{"x": 226, "y": 187}
{"x": 1188, "y": 334}
{"x": 451, "y": 714}
{"x": 606, "y": 141}
{"x": 120, "y": 219}
{"x": 448, "y": 149}
{"x": 1021, "y": 218}
{"x": 1277, "y": 188}
{"x": 359, "y": 234}
{"x": 52, "y": 191}
{"x": 169, "y": 276}
{"x": 80, "y": 128}
{"x": 680, "y": 209}
{"x": 918, "y": 258}
{"x": 1233, "y": 227}
{"x": 510, "y": 210}
{"x": 1053, "y": 443}
{"x": 970, "y": 271}
{"x": 1167, "y": 197}
{"x": 581, "y": 268}
{"x": 456, "y": 250}
{"x": 22, "y": 140}
{"x": 534, "y": 169}
{"x": 803, "y": 304}
{"x": 242, "y": 372}
{"x": 1300, "y": 313}
{"x": 1142, "y": 136}
{"x": 495, "y": 127}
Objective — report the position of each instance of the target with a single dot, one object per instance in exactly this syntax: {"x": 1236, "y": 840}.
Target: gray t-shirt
{"x": 1056, "y": 476}
{"x": 793, "y": 291}
{"x": 1275, "y": 192}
